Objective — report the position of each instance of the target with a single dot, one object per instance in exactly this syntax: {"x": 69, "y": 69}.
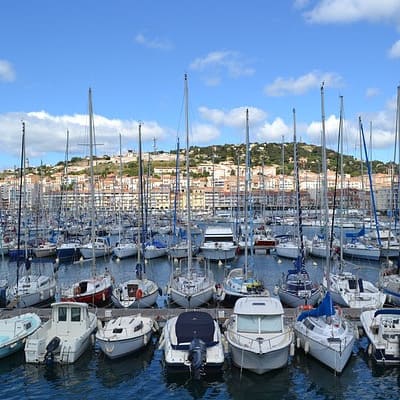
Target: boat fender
{"x": 162, "y": 341}
{"x": 99, "y": 324}
{"x": 42, "y": 295}
{"x": 298, "y": 342}
{"x": 155, "y": 327}
{"x": 145, "y": 340}
{"x": 292, "y": 349}
{"x": 370, "y": 349}
{"x": 103, "y": 296}
{"x": 139, "y": 294}
{"x": 306, "y": 347}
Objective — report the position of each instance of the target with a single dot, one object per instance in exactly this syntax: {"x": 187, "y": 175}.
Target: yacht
{"x": 258, "y": 337}
{"x": 218, "y": 244}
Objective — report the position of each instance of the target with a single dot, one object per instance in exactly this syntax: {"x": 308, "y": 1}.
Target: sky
{"x": 270, "y": 57}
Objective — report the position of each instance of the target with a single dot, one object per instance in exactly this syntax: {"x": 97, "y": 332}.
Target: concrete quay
{"x": 163, "y": 314}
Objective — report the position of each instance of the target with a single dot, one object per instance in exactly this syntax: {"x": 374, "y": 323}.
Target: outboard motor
{"x": 197, "y": 357}
{"x": 50, "y": 349}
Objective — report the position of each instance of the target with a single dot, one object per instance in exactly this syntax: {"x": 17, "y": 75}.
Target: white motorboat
{"x": 192, "y": 342}
{"x": 348, "y": 290}
{"x": 15, "y": 330}
{"x": 64, "y": 337}
{"x": 382, "y": 327}
{"x": 325, "y": 334}
{"x": 258, "y": 338}
{"x": 218, "y": 244}
{"x": 125, "y": 335}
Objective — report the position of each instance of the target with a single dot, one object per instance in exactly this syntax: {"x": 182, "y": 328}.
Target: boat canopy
{"x": 194, "y": 324}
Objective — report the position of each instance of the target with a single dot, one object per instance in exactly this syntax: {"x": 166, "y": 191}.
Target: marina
{"x": 143, "y": 371}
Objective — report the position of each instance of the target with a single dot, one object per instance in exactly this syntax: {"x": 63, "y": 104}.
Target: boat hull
{"x": 260, "y": 363}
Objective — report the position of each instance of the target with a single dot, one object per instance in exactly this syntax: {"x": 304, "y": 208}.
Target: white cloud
{"x": 333, "y": 11}
{"x": 153, "y": 43}
{"x": 273, "y": 132}
{"x": 204, "y": 133}
{"x": 216, "y": 63}
{"x": 46, "y": 134}
{"x": 372, "y": 92}
{"x": 394, "y": 51}
{"x": 7, "y": 73}
{"x": 232, "y": 118}
{"x": 297, "y": 86}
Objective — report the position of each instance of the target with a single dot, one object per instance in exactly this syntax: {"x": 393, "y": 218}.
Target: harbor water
{"x": 142, "y": 375}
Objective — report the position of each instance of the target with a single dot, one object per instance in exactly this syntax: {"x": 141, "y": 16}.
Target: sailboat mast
{"x": 325, "y": 187}
{"x": 140, "y": 196}
{"x": 91, "y": 180}
{"x": 297, "y": 185}
{"x": 246, "y": 193}
{"x": 21, "y": 175}
{"x": 188, "y": 231}
{"x": 120, "y": 190}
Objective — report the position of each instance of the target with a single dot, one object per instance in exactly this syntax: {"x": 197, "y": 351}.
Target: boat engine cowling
{"x": 197, "y": 357}
{"x": 50, "y": 349}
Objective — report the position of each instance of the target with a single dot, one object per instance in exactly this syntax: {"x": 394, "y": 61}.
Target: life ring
{"x": 139, "y": 294}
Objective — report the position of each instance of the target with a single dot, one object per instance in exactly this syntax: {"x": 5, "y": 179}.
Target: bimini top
{"x": 195, "y": 324}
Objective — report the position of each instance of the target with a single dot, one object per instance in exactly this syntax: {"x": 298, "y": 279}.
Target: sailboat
{"x": 297, "y": 288}
{"x": 240, "y": 282}
{"x": 32, "y": 288}
{"x": 125, "y": 247}
{"x": 324, "y": 332}
{"x": 96, "y": 289}
{"x": 187, "y": 287}
{"x": 389, "y": 277}
{"x": 138, "y": 292}
{"x": 347, "y": 289}
{"x": 178, "y": 247}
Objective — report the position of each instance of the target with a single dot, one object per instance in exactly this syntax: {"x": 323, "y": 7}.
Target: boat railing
{"x": 260, "y": 344}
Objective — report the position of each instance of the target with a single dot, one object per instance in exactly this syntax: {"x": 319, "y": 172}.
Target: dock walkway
{"x": 162, "y": 314}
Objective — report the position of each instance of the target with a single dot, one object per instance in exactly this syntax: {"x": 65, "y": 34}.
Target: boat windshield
{"x": 259, "y": 323}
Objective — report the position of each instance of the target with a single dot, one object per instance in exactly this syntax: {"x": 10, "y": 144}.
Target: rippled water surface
{"x": 142, "y": 376}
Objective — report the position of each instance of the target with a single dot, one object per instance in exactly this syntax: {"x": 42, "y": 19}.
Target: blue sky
{"x": 268, "y": 56}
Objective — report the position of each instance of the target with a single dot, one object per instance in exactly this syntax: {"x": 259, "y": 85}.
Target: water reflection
{"x": 114, "y": 372}
{"x": 242, "y": 384}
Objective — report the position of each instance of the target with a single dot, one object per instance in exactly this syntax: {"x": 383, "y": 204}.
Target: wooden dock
{"x": 163, "y": 314}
